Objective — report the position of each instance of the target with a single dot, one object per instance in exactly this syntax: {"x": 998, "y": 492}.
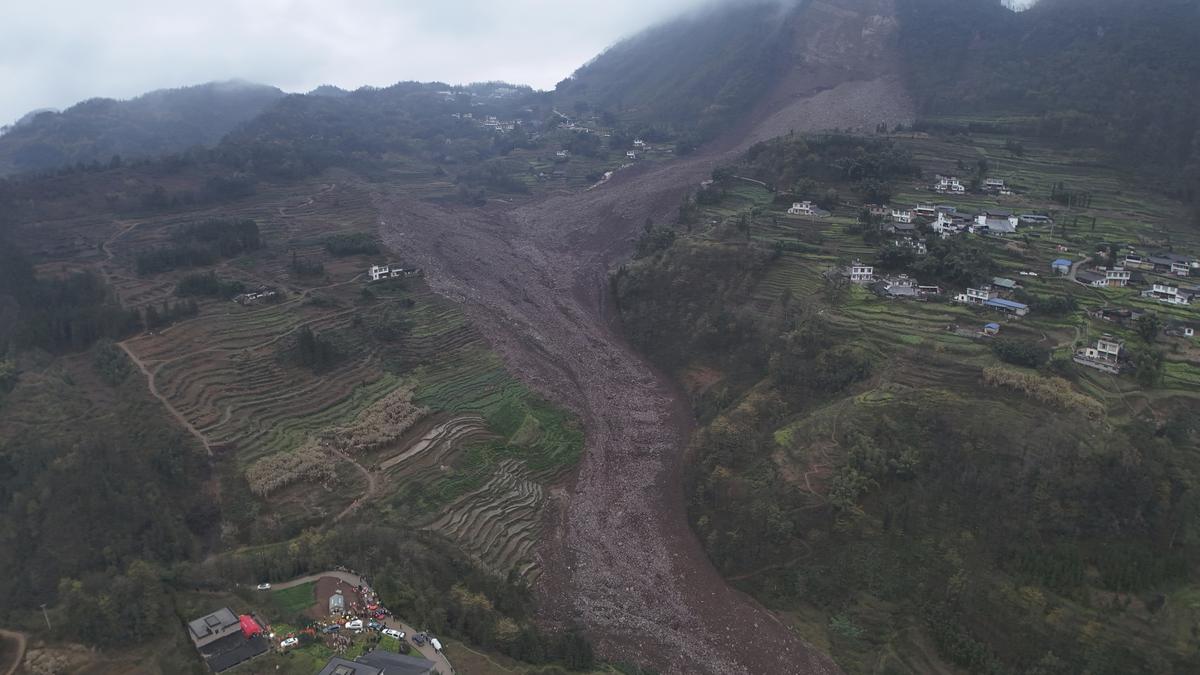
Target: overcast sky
{"x": 54, "y": 53}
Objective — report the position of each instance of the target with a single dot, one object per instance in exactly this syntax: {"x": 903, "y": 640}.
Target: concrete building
{"x": 806, "y": 208}
{"x": 860, "y": 273}
{"x": 1105, "y": 356}
{"x": 949, "y": 185}
{"x": 994, "y": 221}
{"x": 975, "y": 296}
{"x": 1168, "y": 294}
{"x": 209, "y": 629}
{"x": 225, "y": 639}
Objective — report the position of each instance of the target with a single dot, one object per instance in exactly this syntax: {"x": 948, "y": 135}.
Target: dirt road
{"x": 12, "y": 660}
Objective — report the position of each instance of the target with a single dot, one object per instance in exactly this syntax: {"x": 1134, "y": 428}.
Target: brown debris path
{"x": 620, "y": 558}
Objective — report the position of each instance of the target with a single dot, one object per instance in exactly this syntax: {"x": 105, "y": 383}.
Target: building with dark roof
{"x": 213, "y": 627}
{"x": 224, "y": 639}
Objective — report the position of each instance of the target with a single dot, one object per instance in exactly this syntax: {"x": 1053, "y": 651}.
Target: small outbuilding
{"x": 337, "y": 603}
{"x": 1061, "y": 266}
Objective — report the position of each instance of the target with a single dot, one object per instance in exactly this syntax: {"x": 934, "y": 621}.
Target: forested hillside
{"x": 160, "y": 122}
{"x": 1120, "y": 75}
{"x": 694, "y": 75}
{"x": 303, "y": 135}
{"x": 911, "y": 494}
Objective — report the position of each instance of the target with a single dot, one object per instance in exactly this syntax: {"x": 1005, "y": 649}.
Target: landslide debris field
{"x": 534, "y": 278}
{"x": 620, "y": 553}
{"x": 438, "y": 403}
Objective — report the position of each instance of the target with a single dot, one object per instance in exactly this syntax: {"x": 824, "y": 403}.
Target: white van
{"x": 437, "y": 646}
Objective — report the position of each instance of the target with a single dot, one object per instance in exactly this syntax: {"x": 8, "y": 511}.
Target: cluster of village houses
{"x": 947, "y": 221}
{"x": 639, "y": 146}
{"x": 1167, "y": 288}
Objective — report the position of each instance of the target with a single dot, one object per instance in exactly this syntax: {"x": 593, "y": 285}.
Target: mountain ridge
{"x": 152, "y": 124}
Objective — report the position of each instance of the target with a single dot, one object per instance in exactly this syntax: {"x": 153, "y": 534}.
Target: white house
{"x": 861, "y": 274}
{"x": 806, "y": 208}
{"x": 638, "y": 143}
{"x": 380, "y": 272}
{"x": 946, "y": 225}
{"x": 948, "y": 185}
{"x": 993, "y": 185}
{"x": 631, "y": 154}
{"x": 1105, "y": 356}
{"x": 1171, "y": 295}
{"x": 561, "y": 153}
{"x": 902, "y": 215}
{"x": 975, "y": 296}
{"x": 1117, "y": 276}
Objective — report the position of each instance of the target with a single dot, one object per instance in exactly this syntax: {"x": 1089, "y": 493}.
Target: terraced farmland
{"x": 319, "y": 445}
{"x": 498, "y": 523}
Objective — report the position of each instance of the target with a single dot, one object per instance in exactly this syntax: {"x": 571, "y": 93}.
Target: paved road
{"x": 443, "y": 664}
{"x": 1076, "y": 266}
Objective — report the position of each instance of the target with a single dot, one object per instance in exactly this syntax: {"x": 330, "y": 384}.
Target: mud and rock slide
{"x": 619, "y": 558}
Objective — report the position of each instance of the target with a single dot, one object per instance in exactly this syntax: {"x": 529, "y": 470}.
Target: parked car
{"x": 392, "y": 632}
{"x": 418, "y": 640}
{"x": 437, "y": 646}
{"x": 332, "y": 628}
{"x": 355, "y": 624}
{"x": 290, "y": 642}
{"x": 374, "y": 625}
{"x": 264, "y": 587}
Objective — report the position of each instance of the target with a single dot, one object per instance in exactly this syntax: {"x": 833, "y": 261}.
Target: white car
{"x": 264, "y": 587}
{"x": 290, "y": 642}
{"x": 355, "y": 624}
{"x": 392, "y": 632}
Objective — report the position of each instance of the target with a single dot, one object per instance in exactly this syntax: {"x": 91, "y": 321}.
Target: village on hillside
{"x": 1059, "y": 256}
